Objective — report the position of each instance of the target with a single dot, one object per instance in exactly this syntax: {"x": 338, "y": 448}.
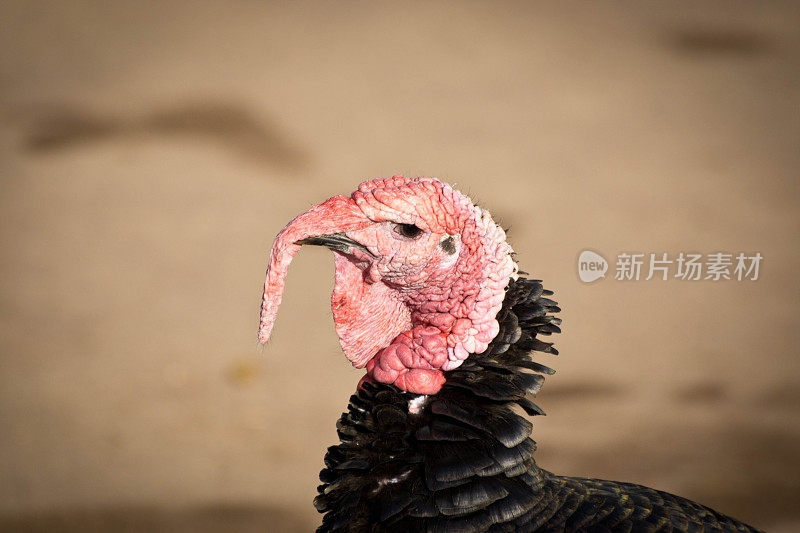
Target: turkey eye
{"x": 409, "y": 231}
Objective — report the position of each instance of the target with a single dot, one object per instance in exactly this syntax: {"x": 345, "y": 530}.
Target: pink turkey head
{"x": 420, "y": 275}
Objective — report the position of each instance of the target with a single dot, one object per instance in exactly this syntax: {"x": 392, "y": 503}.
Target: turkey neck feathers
{"x": 462, "y": 460}
{"x": 465, "y": 460}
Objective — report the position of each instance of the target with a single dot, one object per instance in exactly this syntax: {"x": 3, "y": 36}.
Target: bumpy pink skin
{"x": 414, "y": 309}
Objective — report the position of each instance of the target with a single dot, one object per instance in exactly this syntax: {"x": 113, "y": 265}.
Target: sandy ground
{"x": 149, "y": 153}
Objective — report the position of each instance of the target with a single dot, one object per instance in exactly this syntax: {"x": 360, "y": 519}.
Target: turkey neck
{"x": 463, "y": 453}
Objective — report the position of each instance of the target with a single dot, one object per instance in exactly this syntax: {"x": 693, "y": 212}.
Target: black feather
{"x": 465, "y": 462}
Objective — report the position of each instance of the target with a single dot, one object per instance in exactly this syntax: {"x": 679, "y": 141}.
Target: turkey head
{"x": 420, "y": 275}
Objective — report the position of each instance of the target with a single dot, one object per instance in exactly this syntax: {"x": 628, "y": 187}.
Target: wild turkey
{"x": 428, "y": 298}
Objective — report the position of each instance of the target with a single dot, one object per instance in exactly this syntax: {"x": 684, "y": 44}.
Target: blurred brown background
{"x": 149, "y": 152}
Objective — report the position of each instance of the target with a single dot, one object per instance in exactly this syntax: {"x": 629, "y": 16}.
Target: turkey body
{"x": 462, "y": 460}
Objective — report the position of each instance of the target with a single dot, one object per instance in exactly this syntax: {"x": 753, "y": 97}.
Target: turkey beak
{"x": 325, "y": 224}
{"x": 336, "y": 241}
